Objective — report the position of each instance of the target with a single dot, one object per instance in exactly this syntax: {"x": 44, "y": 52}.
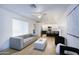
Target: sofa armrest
{"x": 16, "y": 43}
{"x": 67, "y": 48}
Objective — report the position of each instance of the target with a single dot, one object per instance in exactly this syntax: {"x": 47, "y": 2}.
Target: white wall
{"x": 6, "y": 26}
{"x": 38, "y": 29}
{"x": 73, "y": 28}
{"x": 62, "y": 23}
{"x": 71, "y": 24}
{"x": 53, "y": 26}
{"x": 31, "y": 27}
{"x": 63, "y": 26}
{"x": 5, "y": 32}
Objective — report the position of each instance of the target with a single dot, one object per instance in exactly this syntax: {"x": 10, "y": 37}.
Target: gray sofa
{"x": 19, "y": 42}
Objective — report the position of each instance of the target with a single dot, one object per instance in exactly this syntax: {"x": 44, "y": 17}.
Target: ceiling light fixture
{"x": 39, "y": 16}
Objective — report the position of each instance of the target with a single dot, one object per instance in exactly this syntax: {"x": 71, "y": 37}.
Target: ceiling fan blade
{"x": 33, "y": 5}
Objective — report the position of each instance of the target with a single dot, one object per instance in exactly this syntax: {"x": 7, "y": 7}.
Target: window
{"x": 19, "y": 27}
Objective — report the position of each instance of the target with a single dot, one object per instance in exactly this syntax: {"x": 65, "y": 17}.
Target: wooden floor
{"x": 49, "y": 50}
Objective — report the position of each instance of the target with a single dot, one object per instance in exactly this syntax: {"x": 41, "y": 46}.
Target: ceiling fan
{"x": 33, "y": 6}
{"x": 38, "y": 15}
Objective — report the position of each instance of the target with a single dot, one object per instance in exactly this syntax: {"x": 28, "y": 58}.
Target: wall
{"x": 5, "y": 29}
{"x": 38, "y": 29}
{"x": 71, "y": 24}
{"x": 62, "y": 23}
{"x": 63, "y": 26}
{"x": 53, "y": 26}
{"x": 72, "y": 28}
{"x": 6, "y": 26}
{"x": 31, "y": 27}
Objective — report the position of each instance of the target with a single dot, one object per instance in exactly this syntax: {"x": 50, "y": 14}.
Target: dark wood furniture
{"x": 50, "y": 33}
{"x": 67, "y": 48}
{"x": 53, "y": 33}
{"x": 43, "y": 32}
{"x": 59, "y": 39}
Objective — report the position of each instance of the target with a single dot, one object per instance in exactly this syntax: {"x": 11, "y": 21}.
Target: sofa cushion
{"x": 26, "y": 36}
{"x": 27, "y": 39}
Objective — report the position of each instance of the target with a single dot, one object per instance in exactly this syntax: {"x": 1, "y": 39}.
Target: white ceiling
{"x": 49, "y": 11}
